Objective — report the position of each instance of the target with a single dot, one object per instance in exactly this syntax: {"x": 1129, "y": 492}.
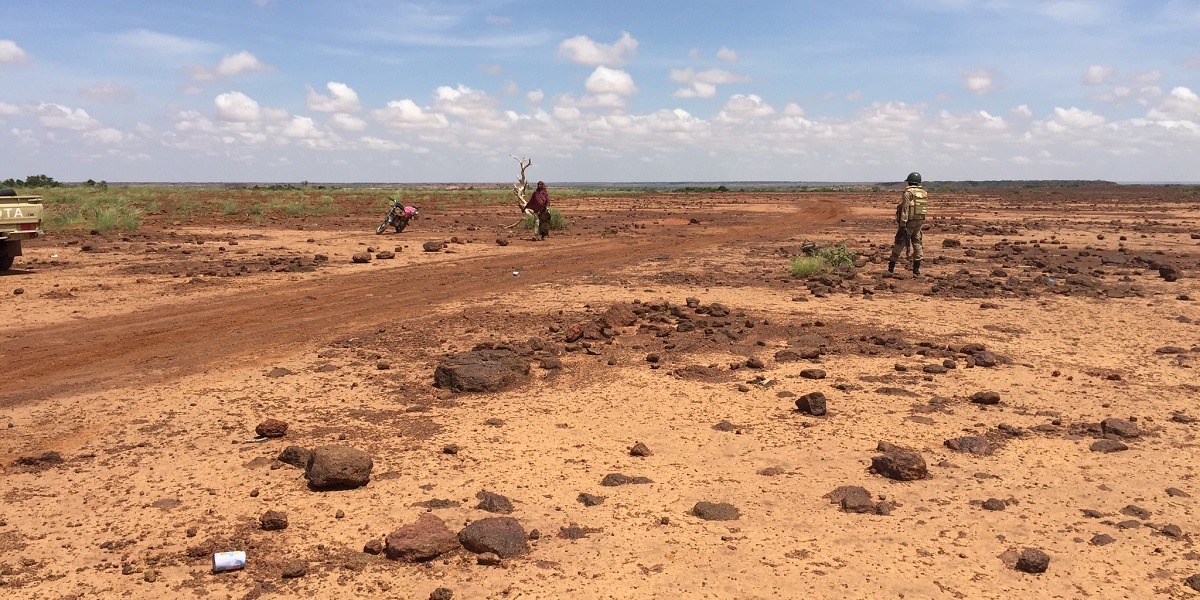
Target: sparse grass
{"x": 822, "y": 260}
{"x": 94, "y": 209}
{"x": 557, "y": 221}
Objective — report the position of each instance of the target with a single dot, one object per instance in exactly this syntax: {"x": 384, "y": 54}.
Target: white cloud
{"x": 702, "y": 84}
{"x": 582, "y": 50}
{"x": 242, "y": 62}
{"x": 1152, "y": 76}
{"x": 237, "y": 107}
{"x": 374, "y": 143}
{"x": 302, "y": 128}
{"x": 742, "y": 107}
{"x": 55, "y": 116}
{"x": 610, "y": 81}
{"x": 106, "y": 135}
{"x": 1098, "y": 74}
{"x": 979, "y": 81}
{"x": 1075, "y": 118}
{"x": 9, "y": 110}
{"x": 727, "y": 54}
{"x": 341, "y": 99}
{"x": 153, "y": 43}
{"x": 345, "y": 122}
{"x": 1022, "y": 112}
{"x": 11, "y": 53}
{"x": 107, "y": 92}
{"x": 1182, "y": 103}
{"x": 405, "y": 114}
{"x": 536, "y": 96}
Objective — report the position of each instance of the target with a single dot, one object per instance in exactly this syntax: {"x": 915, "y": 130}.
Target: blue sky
{"x": 374, "y": 91}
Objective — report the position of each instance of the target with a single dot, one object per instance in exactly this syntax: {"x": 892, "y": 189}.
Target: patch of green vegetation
{"x": 93, "y": 209}
{"x": 557, "y": 221}
{"x": 819, "y": 260}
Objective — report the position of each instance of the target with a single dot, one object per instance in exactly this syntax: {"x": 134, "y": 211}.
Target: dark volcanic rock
{"x": 1193, "y": 582}
{"x": 481, "y": 371}
{"x": 710, "y": 511}
{"x": 361, "y": 257}
{"x": 424, "y": 540}
{"x": 1136, "y": 511}
{"x": 442, "y": 594}
{"x": 493, "y": 503}
{"x": 1120, "y": 428}
{"x": 786, "y": 356}
{"x": 640, "y": 449}
{"x": 294, "y": 569}
{"x": 1169, "y": 272}
{"x": 812, "y": 403}
{"x": 853, "y": 499}
{"x": 433, "y": 246}
{"x": 272, "y": 428}
{"x": 615, "y": 479}
{"x": 971, "y": 444}
{"x": 1107, "y": 446}
{"x": 725, "y": 426}
{"x": 273, "y": 520}
{"x": 813, "y": 374}
{"x": 338, "y": 467}
{"x": 587, "y": 499}
{"x": 374, "y": 547}
{"x": 502, "y": 536}
{"x": 1033, "y": 560}
{"x": 295, "y": 456}
{"x": 901, "y": 465}
{"x": 1101, "y": 539}
{"x": 986, "y": 397}
{"x": 994, "y": 504}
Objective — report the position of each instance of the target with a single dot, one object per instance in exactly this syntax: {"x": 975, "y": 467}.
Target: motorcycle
{"x": 397, "y": 217}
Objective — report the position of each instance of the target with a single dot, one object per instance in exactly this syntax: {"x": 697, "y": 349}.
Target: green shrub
{"x": 557, "y": 221}
{"x": 803, "y": 267}
{"x": 819, "y": 260}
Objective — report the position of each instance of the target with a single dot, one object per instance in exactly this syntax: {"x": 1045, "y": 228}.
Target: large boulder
{"x": 338, "y": 467}
{"x": 481, "y": 371}
{"x": 502, "y": 536}
{"x": 901, "y": 465}
{"x": 424, "y": 540}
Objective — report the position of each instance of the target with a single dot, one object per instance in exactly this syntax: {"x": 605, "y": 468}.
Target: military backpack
{"x": 919, "y": 204}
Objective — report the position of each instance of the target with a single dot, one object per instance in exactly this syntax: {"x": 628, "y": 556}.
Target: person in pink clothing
{"x": 539, "y": 205}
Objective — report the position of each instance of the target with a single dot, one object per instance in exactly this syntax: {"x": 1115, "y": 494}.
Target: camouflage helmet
{"x": 914, "y": 178}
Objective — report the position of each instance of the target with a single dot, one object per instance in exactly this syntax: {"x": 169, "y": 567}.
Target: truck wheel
{"x": 6, "y": 262}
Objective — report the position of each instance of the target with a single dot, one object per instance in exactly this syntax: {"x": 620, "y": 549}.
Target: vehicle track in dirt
{"x": 175, "y": 339}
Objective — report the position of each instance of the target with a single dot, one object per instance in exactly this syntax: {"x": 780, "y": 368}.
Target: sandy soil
{"x": 138, "y": 365}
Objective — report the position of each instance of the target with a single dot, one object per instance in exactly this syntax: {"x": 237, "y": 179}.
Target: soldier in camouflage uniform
{"x": 910, "y": 217}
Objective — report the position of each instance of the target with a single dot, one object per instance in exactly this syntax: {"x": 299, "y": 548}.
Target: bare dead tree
{"x": 521, "y": 186}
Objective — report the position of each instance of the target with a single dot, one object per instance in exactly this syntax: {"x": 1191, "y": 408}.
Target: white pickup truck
{"x": 20, "y": 219}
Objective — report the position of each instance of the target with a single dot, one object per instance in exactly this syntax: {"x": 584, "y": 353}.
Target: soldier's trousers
{"x": 910, "y": 233}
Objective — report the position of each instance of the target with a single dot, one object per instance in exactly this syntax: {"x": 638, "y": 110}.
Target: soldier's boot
{"x": 916, "y": 268}
{"x": 891, "y": 266}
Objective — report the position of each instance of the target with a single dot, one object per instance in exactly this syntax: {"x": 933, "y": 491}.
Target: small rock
{"x": 503, "y": 536}
{"x": 493, "y": 503}
{"x": 971, "y": 444}
{"x": 1107, "y": 446}
{"x": 710, "y": 511}
{"x": 813, "y": 374}
{"x": 994, "y": 504}
{"x": 273, "y": 520}
{"x": 640, "y": 449}
{"x": 1177, "y": 493}
{"x": 853, "y": 499}
{"x": 360, "y": 257}
{"x": 813, "y": 403}
{"x": 1120, "y": 428}
{"x": 1172, "y": 531}
{"x": 1101, "y": 539}
{"x": 986, "y": 397}
{"x": 901, "y": 465}
{"x": 149, "y": 575}
{"x": 1033, "y": 560}
{"x": 374, "y": 547}
{"x": 295, "y": 456}
{"x": 1136, "y": 511}
{"x": 433, "y": 246}
{"x": 488, "y": 559}
{"x": 1193, "y": 582}
{"x": 934, "y": 369}
{"x": 615, "y": 479}
{"x": 725, "y": 426}
{"x": 271, "y": 428}
{"x": 294, "y": 569}
{"x": 590, "y": 499}
{"x": 426, "y": 539}
{"x": 442, "y": 594}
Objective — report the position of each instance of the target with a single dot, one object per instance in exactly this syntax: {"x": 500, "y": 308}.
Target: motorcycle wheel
{"x": 402, "y": 225}
{"x": 382, "y": 226}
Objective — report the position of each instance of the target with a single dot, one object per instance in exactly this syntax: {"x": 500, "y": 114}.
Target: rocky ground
{"x": 645, "y": 405}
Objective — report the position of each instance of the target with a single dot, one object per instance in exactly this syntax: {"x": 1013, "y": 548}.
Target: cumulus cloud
{"x": 56, "y": 116}
{"x": 743, "y": 107}
{"x": 345, "y": 122}
{"x": 727, "y": 55}
{"x": 1181, "y": 103}
{"x": 702, "y": 84}
{"x": 610, "y": 81}
{"x": 1022, "y": 112}
{"x": 302, "y": 128}
{"x": 1098, "y": 74}
{"x": 108, "y": 92}
{"x": 11, "y": 53}
{"x": 1073, "y": 118}
{"x": 536, "y": 96}
{"x": 237, "y": 107}
{"x": 105, "y": 135}
{"x": 230, "y": 65}
{"x": 374, "y": 143}
{"x": 979, "y": 81}
{"x": 341, "y": 99}
{"x": 405, "y": 114}
{"x": 583, "y": 50}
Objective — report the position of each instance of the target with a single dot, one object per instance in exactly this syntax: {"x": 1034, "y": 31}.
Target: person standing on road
{"x": 910, "y": 218}
{"x": 539, "y": 205}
